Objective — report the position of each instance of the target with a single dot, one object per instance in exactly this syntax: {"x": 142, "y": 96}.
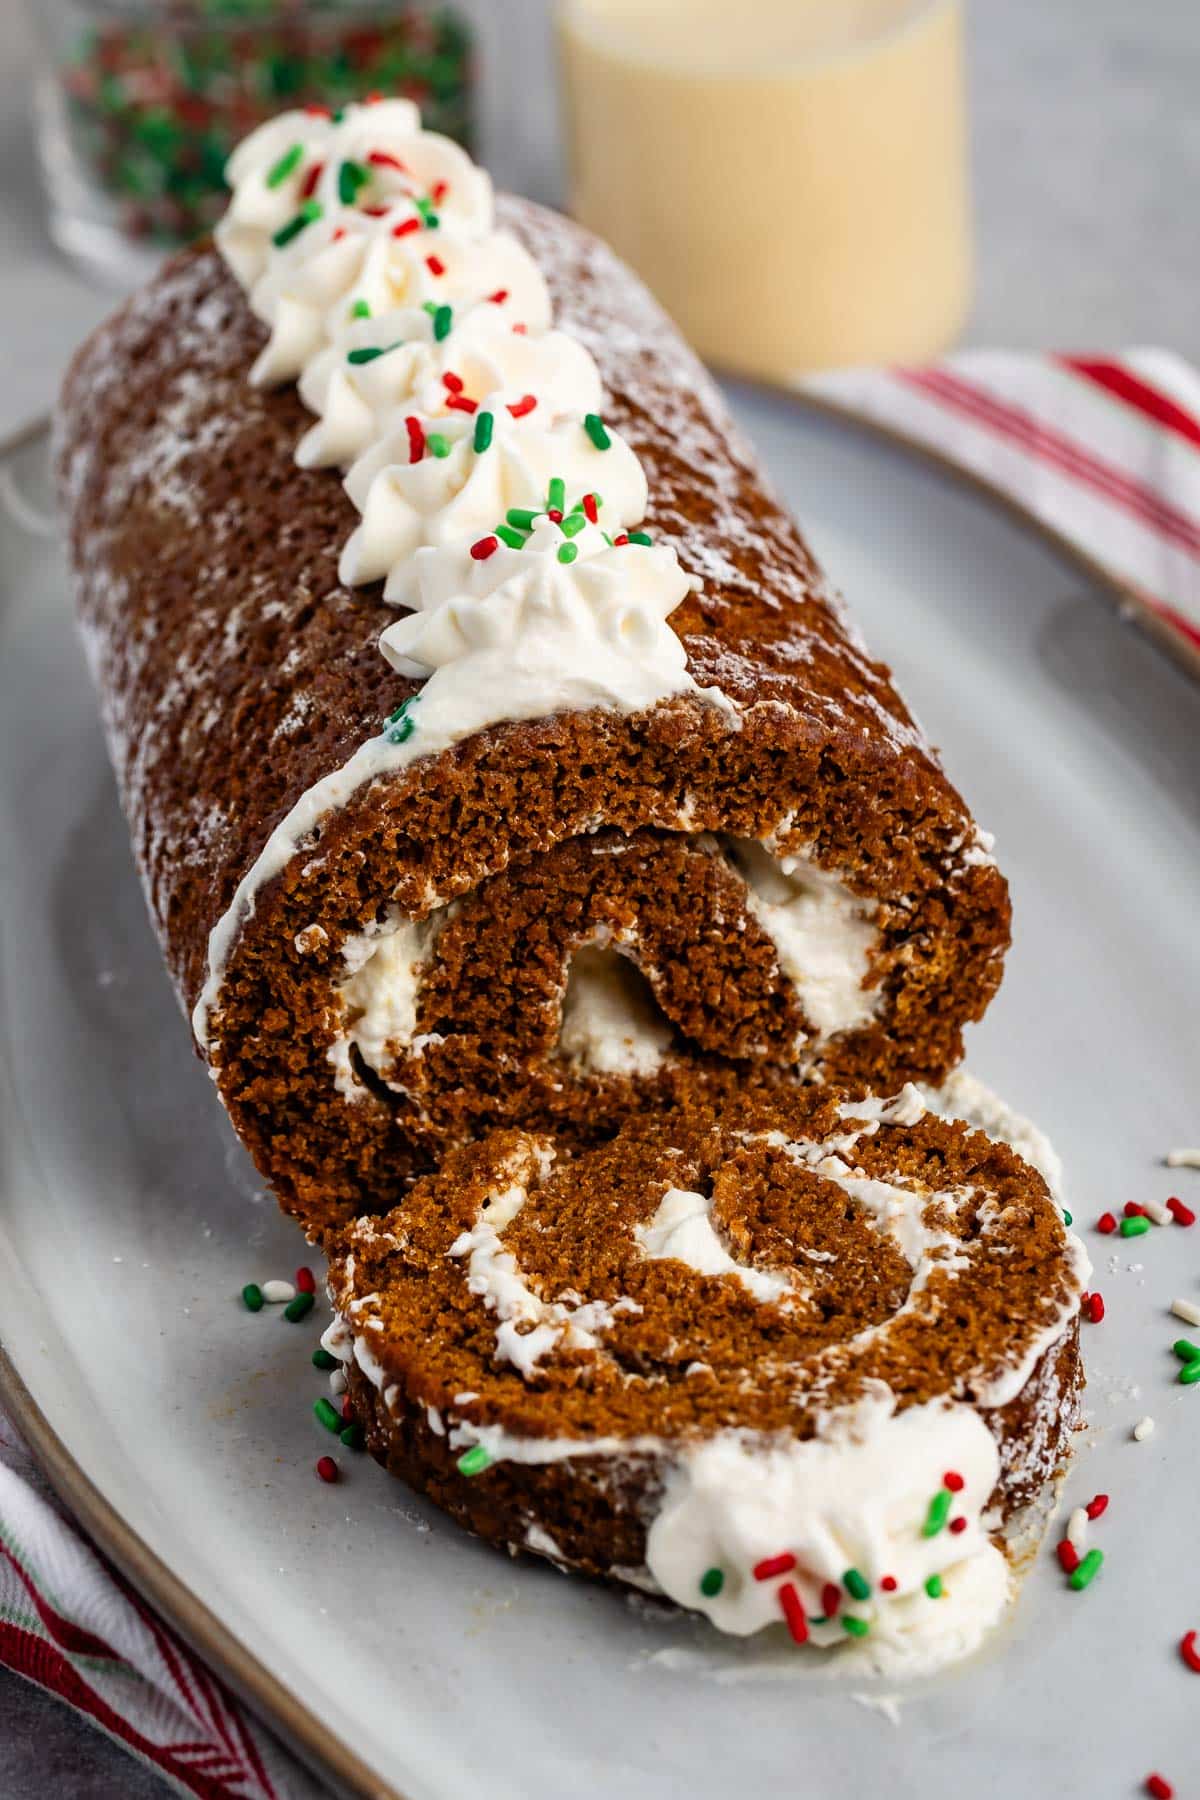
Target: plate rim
{"x": 287, "y": 1716}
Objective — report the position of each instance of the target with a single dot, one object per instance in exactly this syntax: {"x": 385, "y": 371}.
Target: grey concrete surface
{"x": 1087, "y": 166}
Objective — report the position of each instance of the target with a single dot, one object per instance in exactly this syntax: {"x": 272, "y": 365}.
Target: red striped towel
{"x": 1103, "y": 450}
{"x": 1105, "y": 453}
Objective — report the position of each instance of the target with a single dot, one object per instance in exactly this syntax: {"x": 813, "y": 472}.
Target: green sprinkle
{"x": 443, "y": 319}
{"x": 711, "y": 1583}
{"x": 939, "y": 1512}
{"x": 351, "y": 176}
{"x": 567, "y": 552}
{"x": 1088, "y": 1569}
{"x": 284, "y": 166}
{"x": 856, "y": 1627}
{"x": 321, "y": 1359}
{"x": 607, "y": 539}
{"x": 354, "y": 1437}
{"x": 312, "y": 209}
{"x": 365, "y": 355}
{"x": 474, "y": 1461}
{"x": 514, "y": 539}
{"x": 556, "y": 495}
{"x": 521, "y": 516}
{"x": 429, "y": 306}
{"x": 1190, "y": 1372}
{"x": 1134, "y": 1227}
{"x": 296, "y": 1309}
{"x": 640, "y": 537}
{"x": 572, "y": 525}
{"x": 818, "y": 1619}
{"x": 428, "y": 215}
{"x": 326, "y": 1414}
{"x": 484, "y": 422}
{"x": 594, "y": 425}
{"x": 934, "y": 1588}
{"x": 361, "y": 309}
{"x": 1068, "y": 1218}
{"x": 252, "y": 1295}
{"x": 399, "y": 726}
{"x": 436, "y": 444}
{"x": 1184, "y": 1349}
{"x": 856, "y": 1584}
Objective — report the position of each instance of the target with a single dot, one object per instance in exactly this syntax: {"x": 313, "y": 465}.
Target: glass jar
{"x": 139, "y": 102}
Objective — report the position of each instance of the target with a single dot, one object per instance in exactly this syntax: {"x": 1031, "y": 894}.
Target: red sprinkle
{"x": 1133, "y": 1210}
{"x": 453, "y": 382}
{"x": 405, "y": 227}
{"x": 589, "y": 509}
{"x": 438, "y": 192}
{"x": 484, "y": 547}
{"x": 1159, "y": 1788}
{"x": 416, "y": 439}
{"x": 1068, "y": 1556}
{"x": 622, "y": 537}
{"x": 374, "y": 212}
{"x": 1189, "y": 1652}
{"x": 1095, "y": 1308}
{"x": 374, "y": 97}
{"x": 461, "y": 403}
{"x": 339, "y": 233}
{"x": 793, "y": 1612}
{"x": 519, "y": 408}
{"x": 383, "y": 159}
{"x": 831, "y": 1599}
{"x": 347, "y": 1409}
{"x": 774, "y": 1565}
{"x": 499, "y": 297}
{"x": 308, "y": 185}
{"x": 954, "y": 1481}
{"x": 554, "y": 516}
{"x": 1106, "y": 1223}
{"x": 327, "y": 1469}
{"x": 306, "y": 1281}
{"x": 888, "y": 1583}
{"x": 957, "y": 1525}
{"x": 1183, "y": 1215}
{"x": 1096, "y": 1506}
{"x": 318, "y": 112}
{"x": 520, "y": 330}
{"x": 435, "y": 265}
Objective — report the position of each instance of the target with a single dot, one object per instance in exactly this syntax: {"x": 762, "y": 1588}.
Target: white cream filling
{"x": 529, "y": 1327}
{"x": 380, "y": 993}
{"x": 611, "y": 1024}
{"x": 682, "y": 1229}
{"x": 823, "y": 935}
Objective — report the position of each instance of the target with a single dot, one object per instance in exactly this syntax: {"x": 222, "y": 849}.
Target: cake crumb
{"x": 1143, "y": 1429}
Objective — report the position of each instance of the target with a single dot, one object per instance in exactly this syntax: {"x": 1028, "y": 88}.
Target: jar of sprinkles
{"x": 140, "y": 102}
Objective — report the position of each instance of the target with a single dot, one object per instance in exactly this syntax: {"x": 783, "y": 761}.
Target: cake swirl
{"x": 797, "y": 1368}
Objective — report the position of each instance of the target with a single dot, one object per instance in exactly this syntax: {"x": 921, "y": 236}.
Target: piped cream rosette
{"x": 400, "y": 362}
{"x": 452, "y": 479}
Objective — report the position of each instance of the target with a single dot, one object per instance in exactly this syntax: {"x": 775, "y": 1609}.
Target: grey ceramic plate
{"x": 399, "y": 1655}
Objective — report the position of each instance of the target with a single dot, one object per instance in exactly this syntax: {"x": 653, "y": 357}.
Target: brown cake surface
{"x": 958, "y": 1285}
{"x": 235, "y": 672}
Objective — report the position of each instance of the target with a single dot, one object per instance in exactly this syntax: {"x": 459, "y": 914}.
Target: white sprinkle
{"x": 1155, "y": 1211}
{"x": 275, "y": 1293}
{"x": 1183, "y": 1159}
{"x": 1187, "y": 1310}
{"x": 1077, "y": 1529}
{"x": 1143, "y": 1429}
{"x": 337, "y": 1381}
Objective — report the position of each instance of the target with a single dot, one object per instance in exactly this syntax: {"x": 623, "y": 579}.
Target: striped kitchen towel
{"x": 1104, "y": 451}
{"x": 74, "y": 1626}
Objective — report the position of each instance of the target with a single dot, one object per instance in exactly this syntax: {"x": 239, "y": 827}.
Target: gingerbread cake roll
{"x": 494, "y": 752}
{"x": 808, "y": 1369}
